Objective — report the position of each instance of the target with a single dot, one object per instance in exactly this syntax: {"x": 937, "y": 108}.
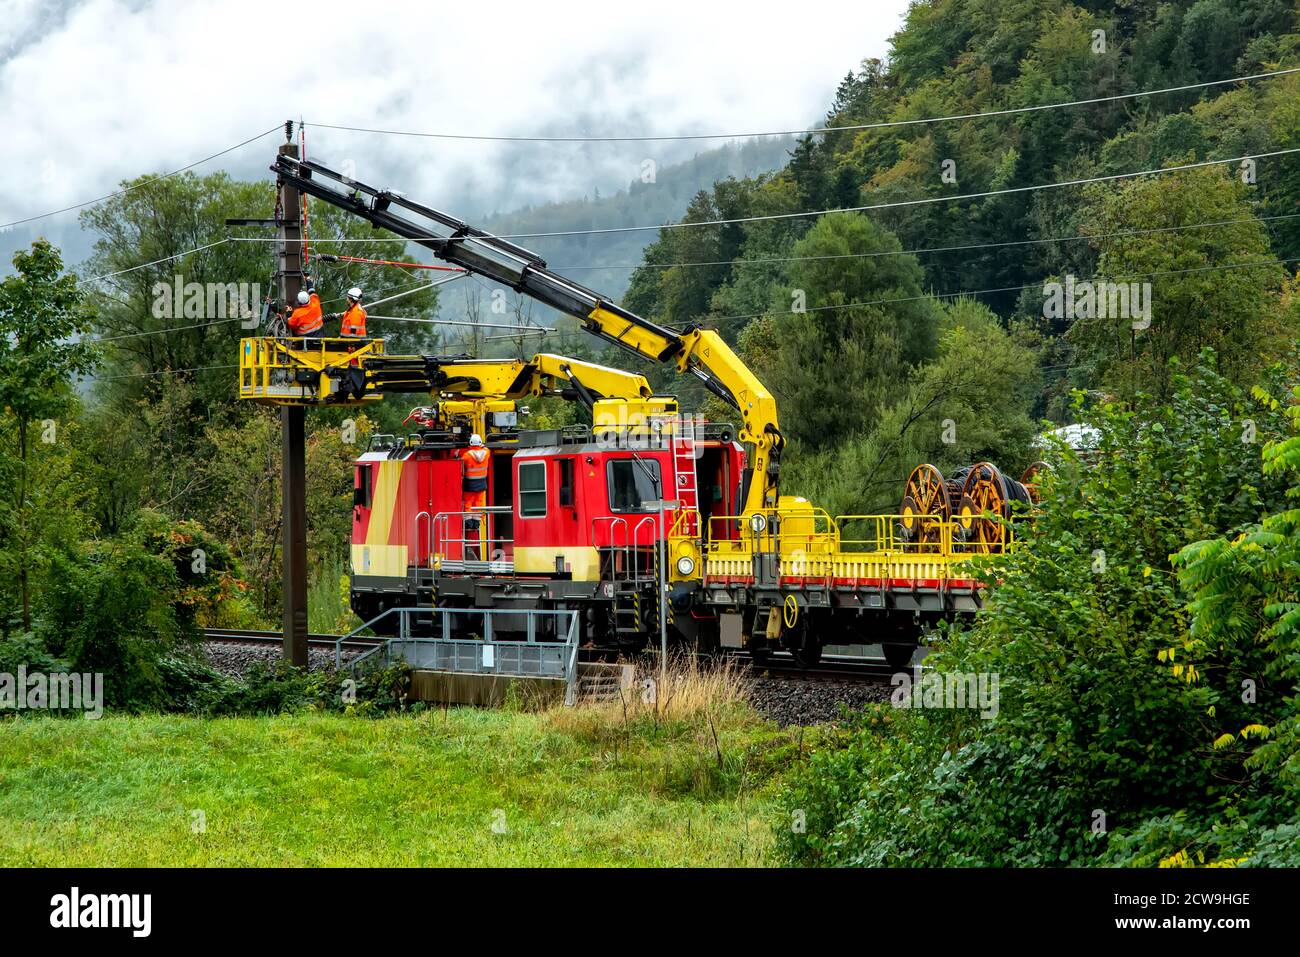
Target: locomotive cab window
{"x": 532, "y": 489}
{"x": 361, "y": 492}
{"x": 632, "y": 485}
{"x": 565, "y": 496}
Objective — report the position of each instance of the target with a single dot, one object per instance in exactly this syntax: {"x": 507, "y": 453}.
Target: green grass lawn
{"x": 459, "y": 788}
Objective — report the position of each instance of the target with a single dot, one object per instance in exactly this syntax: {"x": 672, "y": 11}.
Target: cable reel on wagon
{"x": 976, "y": 505}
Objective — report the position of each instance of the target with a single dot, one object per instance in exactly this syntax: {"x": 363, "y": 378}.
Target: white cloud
{"x": 103, "y": 90}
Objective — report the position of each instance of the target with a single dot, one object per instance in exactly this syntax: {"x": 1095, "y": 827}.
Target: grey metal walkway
{"x": 531, "y": 658}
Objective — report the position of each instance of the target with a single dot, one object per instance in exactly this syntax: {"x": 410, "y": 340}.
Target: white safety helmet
{"x": 355, "y": 293}
{"x": 476, "y": 440}
{"x": 303, "y": 298}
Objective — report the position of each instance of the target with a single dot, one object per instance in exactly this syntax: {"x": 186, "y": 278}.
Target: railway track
{"x": 240, "y": 636}
{"x": 831, "y": 668}
{"x": 780, "y": 665}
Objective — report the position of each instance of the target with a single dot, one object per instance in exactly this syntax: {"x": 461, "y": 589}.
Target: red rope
{"x": 389, "y": 262}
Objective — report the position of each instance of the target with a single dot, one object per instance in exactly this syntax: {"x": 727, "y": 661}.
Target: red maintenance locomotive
{"x": 572, "y": 518}
{"x": 645, "y": 507}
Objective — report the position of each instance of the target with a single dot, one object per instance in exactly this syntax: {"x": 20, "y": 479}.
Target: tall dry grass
{"x": 687, "y": 729}
{"x": 689, "y": 689}
{"x": 691, "y": 686}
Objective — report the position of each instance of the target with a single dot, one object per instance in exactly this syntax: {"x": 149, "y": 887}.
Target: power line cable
{"x": 462, "y": 322}
{"x": 790, "y": 259}
{"x": 943, "y": 249}
{"x": 159, "y": 332}
{"x": 896, "y": 204}
{"x": 142, "y": 375}
{"x": 899, "y": 204}
{"x": 847, "y": 305}
{"x": 981, "y": 292}
{"x": 734, "y": 262}
{"x": 154, "y": 179}
{"x": 886, "y": 124}
{"x": 156, "y": 262}
{"x": 871, "y": 255}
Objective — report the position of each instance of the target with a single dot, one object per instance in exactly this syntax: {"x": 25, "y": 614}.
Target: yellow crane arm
{"x": 705, "y": 354}
{"x": 602, "y": 382}
{"x": 701, "y": 352}
{"x": 469, "y": 378}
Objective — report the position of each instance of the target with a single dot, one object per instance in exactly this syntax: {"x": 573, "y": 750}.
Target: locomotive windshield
{"x": 633, "y": 485}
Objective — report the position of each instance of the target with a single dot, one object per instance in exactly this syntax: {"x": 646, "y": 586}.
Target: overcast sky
{"x": 97, "y": 91}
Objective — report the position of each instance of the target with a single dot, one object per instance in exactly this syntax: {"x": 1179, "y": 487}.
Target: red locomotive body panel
{"x": 406, "y": 509}
{"x": 563, "y": 512}
{"x": 556, "y": 508}
{"x": 571, "y": 523}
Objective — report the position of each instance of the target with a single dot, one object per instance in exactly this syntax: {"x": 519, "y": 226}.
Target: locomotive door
{"x": 501, "y": 493}
{"x": 716, "y": 490}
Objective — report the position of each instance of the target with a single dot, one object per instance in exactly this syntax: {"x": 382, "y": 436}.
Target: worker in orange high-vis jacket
{"x": 353, "y": 324}
{"x": 306, "y": 321}
{"x": 475, "y": 461}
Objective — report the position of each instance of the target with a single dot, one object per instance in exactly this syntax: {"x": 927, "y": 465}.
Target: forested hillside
{"x": 934, "y": 310}
{"x": 1144, "y": 631}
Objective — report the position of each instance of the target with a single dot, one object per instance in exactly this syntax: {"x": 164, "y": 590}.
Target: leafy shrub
{"x": 123, "y": 607}
{"x": 207, "y": 584}
{"x": 280, "y": 687}
{"x": 113, "y": 613}
{"x": 1101, "y": 731}
{"x": 27, "y": 650}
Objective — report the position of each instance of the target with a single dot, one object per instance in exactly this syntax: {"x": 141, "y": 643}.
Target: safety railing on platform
{"x": 926, "y": 535}
{"x": 813, "y": 533}
{"x": 686, "y": 524}
{"x": 744, "y": 535}
{"x": 889, "y": 534}
{"x": 651, "y": 524}
{"x": 632, "y": 549}
{"x": 450, "y": 551}
{"x": 533, "y": 657}
{"x": 289, "y": 370}
{"x": 619, "y": 554}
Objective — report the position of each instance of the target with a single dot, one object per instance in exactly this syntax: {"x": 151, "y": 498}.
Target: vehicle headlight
{"x": 685, "y": 565}
{"x": 758, "y": 521}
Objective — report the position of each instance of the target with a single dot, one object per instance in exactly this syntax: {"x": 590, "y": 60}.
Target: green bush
{"x": 279, "y": 687}
{"x": 207, "y": 585}
{"x": 26, "y": 650}
{"x": 1101, "y": 729}
{"x": 111, "y": 614}
{"x": 123, "y": 607}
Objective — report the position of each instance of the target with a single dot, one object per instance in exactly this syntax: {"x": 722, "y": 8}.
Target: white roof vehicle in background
{"x": 1079, "y": 436}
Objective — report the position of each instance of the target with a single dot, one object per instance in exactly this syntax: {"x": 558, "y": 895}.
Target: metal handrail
{"x": 746, "y": 531}
{"x": 944, "y": 538}
{"x": 429, "y": 527}
{"x": 404, "y": 636}
{"x": 338, "y": 644}
{"x": 636, "y": 529}
{"x": 682, "y": 525}
{"x": 614, "y": 522}
{"x": 442, "y": 538}
{"x": 951, "y": 541}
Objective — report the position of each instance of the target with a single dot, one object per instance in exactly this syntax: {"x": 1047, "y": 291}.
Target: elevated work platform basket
{"x": 291, "y": 371}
